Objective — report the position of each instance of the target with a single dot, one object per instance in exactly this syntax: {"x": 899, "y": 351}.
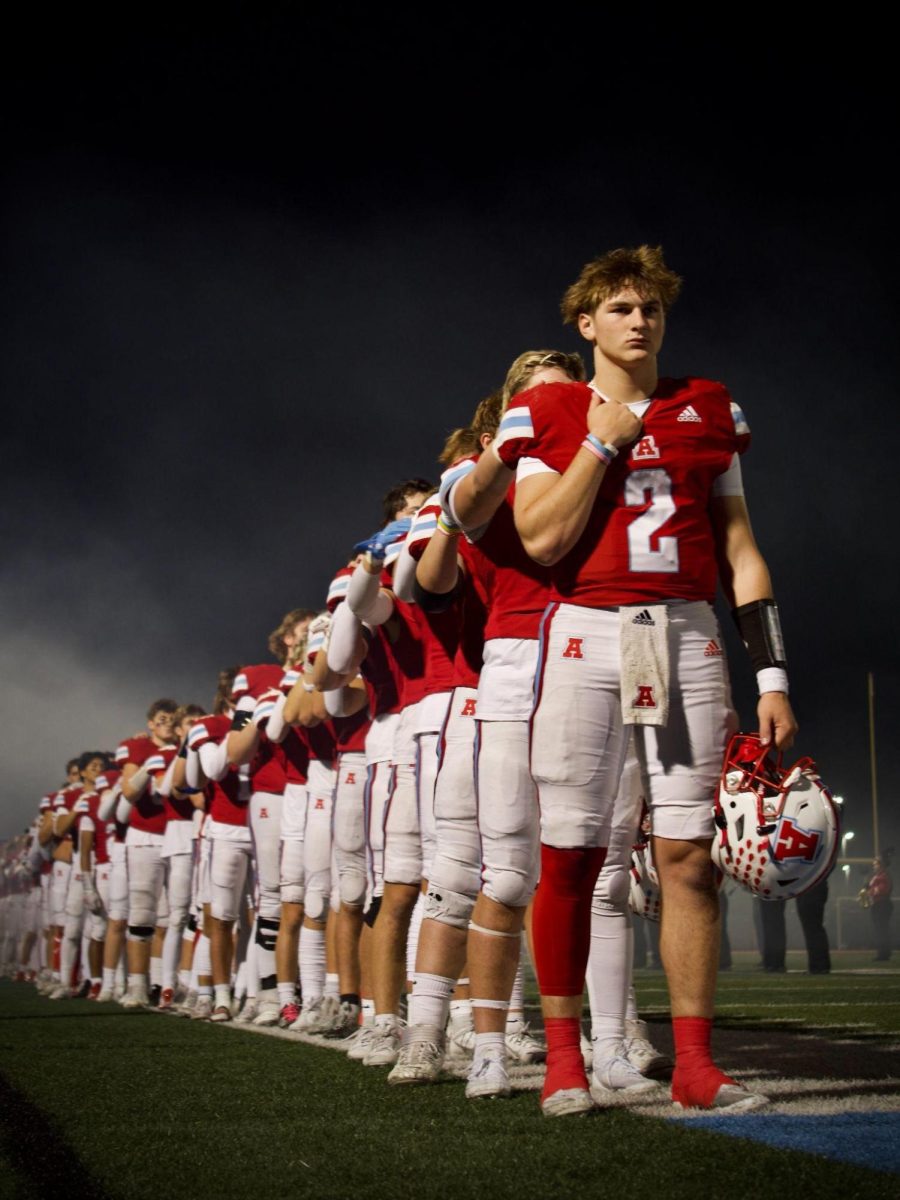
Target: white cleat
{"x": 60, "y": 992}
{"x": 359, "y": 1044}
{"x": 267, "y": 1009}
{"x": 641, "y": 1052}
{"x": 615, "y": 1076}
{"x": 314, "y": 1017}
{"x": 346, "y": 1022}
{"x": 567, "y": 1102}
{"x": 248, "y": 1013}
{"x": 106, "y": 996}
{"x": 131, "y": 1001}
{"x": 384, "y": 1049}
{"x": 421, "y": 1056}
{"x": 488, "y": 1080}
{"x": 202, "y": 1010}
{"x": 523, "y": 1047}
{"x": 460, "y": 1042}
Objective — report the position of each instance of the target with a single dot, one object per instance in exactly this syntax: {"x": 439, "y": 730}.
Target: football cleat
{"x": 460, "y": 1042}
{"x": 641, "y": 1052}
{"x": 488, "y": 1079}
{"x": 154, "y": 995}
{"x": 248, "y": 1013}
{"x": 310, "y": 1016}
{"x": 106, "y": 996}
{"x": 288, "y": 1015}
{"x": 421, "y": 1056}
{"x": 359, "y": 1043}
{"x": 384, "y": 1048}
{"x": 83, "y": 992}
{"x": 524, "y": 1048}
{"x": 96, "y": 988}
{"x": 221, "y": 1013}
{"x": 267, "y": 1009}
{"x": 618, "y": 1075}
{"x": 60, "y": 992}
{"x": 346, "y": 1021}
{"x": 202, "y": 1010}
{"x": 567, "y": 1102}
{"x": 732, "y": 1097}
{"x": 132, "y": 1000}
{"x": 166, "y": 999}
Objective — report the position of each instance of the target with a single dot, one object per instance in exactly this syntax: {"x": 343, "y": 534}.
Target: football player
{"x": 629, "y": 490}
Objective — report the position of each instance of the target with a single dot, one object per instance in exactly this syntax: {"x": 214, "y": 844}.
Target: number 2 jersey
{"x": 650, "y": 535}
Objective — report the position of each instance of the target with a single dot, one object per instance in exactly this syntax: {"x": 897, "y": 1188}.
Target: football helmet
{"x": 777, "y": 828}
{"x": 643, "y": 890}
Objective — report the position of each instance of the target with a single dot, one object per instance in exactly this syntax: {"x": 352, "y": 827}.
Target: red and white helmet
{"x": 643, "y": 890}
{"x": 776, "y": 829}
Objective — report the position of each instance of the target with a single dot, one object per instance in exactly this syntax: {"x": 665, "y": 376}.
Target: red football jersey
{"x": 87, "y": 806}
{"x": 226, "y": 800}
{"x": 148, "y": 813}
{"x": 649, "y": 536}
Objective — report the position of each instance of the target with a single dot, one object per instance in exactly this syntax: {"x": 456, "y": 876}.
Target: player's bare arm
{"x": 439, "y": 567}
{"x": 478, "y": 495}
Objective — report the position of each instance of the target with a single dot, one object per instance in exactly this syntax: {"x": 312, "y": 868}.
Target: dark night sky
{"x": 255, "y": 270}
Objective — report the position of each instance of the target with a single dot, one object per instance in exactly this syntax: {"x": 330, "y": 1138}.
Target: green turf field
{"x": 99, "y": 1102}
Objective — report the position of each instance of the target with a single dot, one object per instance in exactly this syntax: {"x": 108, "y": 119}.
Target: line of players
{"x": 220, "y": 851}
{"x": 375, "y": 792}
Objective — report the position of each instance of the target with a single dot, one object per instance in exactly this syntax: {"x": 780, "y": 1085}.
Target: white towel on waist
{"x": 644, "y": 650}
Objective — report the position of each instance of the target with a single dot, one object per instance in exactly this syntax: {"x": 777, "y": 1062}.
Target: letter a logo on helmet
{"x": 791, "y": 841}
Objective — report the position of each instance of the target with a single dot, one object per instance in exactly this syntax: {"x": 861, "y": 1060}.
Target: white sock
{"x": 287, "y": 994}
{"x": 368, "y": 1012}
{"x": 460, "y": 1014}
{"x": 156, "y": 972}
{"x": 515, "y": 1016}
{"x": 312, "y": 964}
{"x": 430, "y": 999}
{"x": 333, "y": 985}
{"x": 609, "y": 975}
{"x": 490, "y": 1045}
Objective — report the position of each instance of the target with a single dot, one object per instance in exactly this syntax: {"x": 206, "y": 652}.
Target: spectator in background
{"x": 878, "y": 892}
{"x": 811, "y": 911}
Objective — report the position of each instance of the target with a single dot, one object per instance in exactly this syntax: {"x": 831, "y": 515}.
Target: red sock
{"x": 561, "y": 918}
{"x": 565, "y": 1064}
{"x": 696, "y": 1078}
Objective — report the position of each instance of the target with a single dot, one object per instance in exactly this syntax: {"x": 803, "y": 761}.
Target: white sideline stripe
{"x": 790, "y": 1097}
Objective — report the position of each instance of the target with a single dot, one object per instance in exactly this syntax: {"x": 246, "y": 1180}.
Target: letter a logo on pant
{"x": 573, "y": 650}
{"x": 351, "y": 777}
{"x": 468, "y": 708}
{"x": 645, "y": 696}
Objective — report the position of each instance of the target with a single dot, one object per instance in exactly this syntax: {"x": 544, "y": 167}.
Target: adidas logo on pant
{"x": 713, "y": 650}
{"x": 643, "y": 618}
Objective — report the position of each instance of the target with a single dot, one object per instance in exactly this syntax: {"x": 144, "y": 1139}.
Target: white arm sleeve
{"x": 276, "y": 730}
{"x": 345, "y": 631}
{"x": 214, "y": 759}
{"x": 123, "y": 810}
{"x": 334, "y": 702}
{"x": 366, "y": 599}
{"x": 731, "y": 481}
{"x": 193, "y": 772}
{"x": 138, "y": 781}
{"x": 165, "y": 784}
{"x": 107, "y": 804}
{"x": 404, "y": 578}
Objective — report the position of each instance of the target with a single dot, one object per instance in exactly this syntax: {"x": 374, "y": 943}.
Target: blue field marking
{"x": 870, "y": 1139}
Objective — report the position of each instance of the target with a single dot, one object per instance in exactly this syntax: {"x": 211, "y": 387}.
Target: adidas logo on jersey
{"x": 689, "y": 414}
{"x": 713, "y": 650}
{"x": 643, "y": 618}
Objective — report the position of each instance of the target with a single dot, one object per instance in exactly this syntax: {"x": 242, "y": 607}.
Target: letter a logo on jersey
{"x": 793, "y": 842}
{"x": 644, "y": 696}
{"x": 644, "y": 449}
{"x": 573, "y": 649}
{"x": 468, "y": 708}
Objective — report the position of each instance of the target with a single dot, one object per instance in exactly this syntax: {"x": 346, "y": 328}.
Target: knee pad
{"x": 449, "y": 908}
{"x": 371, "y": 914}
{"x": 316, "y": 905}
{"x": 293, "y": 893}
{"x": 352, "y": 887}
{"x": 512, "y": 884}
{"x": 140, "y": 933}
{"x": 612, "y": 888}
{"x": 267, "y": 932}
